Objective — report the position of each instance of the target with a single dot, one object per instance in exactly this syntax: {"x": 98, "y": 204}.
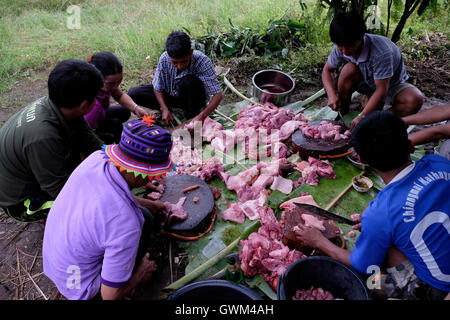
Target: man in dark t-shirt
{"x": 42, "y": 144}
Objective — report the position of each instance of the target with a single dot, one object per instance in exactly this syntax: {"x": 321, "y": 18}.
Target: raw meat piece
{"x": 263, "y": 181}
{"x": 210, "y": 169}
{"x": 216, "y": 193}
{"x": 312, "y": 221}
{"x": 290, "y": 204}
{"x": 288, "y": 128}
{"x": 326, "y": 130}
{"x": 312, "y": 170}
{"x": 280, "y": 150}
{"x": 252, "y": 208}
{"x": 313, "y": 294}
{"x": 324, "y": 168}
{"x": 249, "y": 192}
{"x": 234, "y": 213}
{"x": 237, "y": 182}
{"x": 176, "y": 211}
{"x": 282, "y": 184}
{"x": 210, "y": 129}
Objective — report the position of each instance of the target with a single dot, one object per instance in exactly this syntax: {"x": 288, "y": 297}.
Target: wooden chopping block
{"x": 294, "y": 218}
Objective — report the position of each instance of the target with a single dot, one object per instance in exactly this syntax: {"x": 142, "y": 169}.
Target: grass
{"x": 34, "y": 35}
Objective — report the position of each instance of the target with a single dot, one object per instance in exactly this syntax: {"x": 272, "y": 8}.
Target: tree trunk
{"x": 410, "y": 6}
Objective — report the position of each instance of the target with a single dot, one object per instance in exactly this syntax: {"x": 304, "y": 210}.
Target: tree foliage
{"x": 407, "y": 7}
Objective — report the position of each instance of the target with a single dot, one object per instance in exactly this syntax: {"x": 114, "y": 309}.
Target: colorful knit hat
{"x": 143, "y": 149}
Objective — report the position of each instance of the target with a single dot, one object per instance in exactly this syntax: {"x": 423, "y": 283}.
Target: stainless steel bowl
{"x": 272, "y": 86}
{"x": 357, "y": 164}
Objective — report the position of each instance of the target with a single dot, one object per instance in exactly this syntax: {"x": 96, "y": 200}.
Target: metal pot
{"x": 272, "y": 86}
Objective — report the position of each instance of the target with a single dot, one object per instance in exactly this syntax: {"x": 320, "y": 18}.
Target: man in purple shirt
{"x": 95, "y": 230}
{"x": 185, "y": 79}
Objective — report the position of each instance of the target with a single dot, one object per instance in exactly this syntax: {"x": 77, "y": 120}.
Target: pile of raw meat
{"x": 250, "y": 186}
{"x": 260, "y": 130}
{"x": 263, "y": 252}
{"x": 313, "y": 169}
{"x": 190, "y": 161}
{"x": 313, "y": 294}
{"x": 326, "y": 130}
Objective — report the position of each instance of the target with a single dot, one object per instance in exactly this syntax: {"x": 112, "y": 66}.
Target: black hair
{"x": 381, "y": 140}
{"x": 346, "y": 28}
{"x": 73, "y": 81}
{"x": 178, "y": 44}
{"x": 106, "y": 62}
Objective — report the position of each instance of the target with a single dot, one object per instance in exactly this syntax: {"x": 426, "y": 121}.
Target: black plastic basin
{"x": 341, "y": 280}
{"x": 214, "y": 290}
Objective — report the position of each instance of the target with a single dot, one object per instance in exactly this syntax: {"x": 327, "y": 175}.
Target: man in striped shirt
{"x": 373, "y": 66}
{"x": 185, "y": 79}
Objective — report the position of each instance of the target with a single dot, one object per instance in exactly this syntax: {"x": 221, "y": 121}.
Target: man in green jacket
{"x": 42, "y": 144}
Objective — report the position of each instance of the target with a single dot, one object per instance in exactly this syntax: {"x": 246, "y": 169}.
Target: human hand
{"x": 166, "y": 115}
{"x": 357, "y": 218}
{"x": 145, "y": 269}
{"x": 334, "y": 102}
{"x": 155, "y": 186}
{"x": 310, "y": 236}
{"x": 355, "y": 122}
{"x": 140, "y": 112}
{"x": 156, "y": 206}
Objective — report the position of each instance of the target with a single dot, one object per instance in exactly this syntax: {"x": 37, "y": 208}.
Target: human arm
{"x": 141, "y": 274}
{"x": 166, "y": 115}
{"x": 432, "y": 115}
{"x": 430, "y": 134}
{"x": 212, "y": 105}
{"x": 313, "y": 238}
{"x": 125, "y": 100}
{"x": 155, "y": 206}
{"x": 328, "y": 84}
{"x": 375, "y": 101}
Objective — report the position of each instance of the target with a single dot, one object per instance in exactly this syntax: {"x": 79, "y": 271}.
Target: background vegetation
{"x": 288, "y": 34}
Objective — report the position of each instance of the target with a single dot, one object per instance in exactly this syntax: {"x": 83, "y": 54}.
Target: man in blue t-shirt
{"x": 407, "y": 227}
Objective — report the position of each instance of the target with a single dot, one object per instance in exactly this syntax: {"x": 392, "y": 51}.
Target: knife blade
{"x": 326, "y": 214}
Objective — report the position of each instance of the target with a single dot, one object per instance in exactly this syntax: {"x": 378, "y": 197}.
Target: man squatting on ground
{"x": 41, "y": 144}
{"x": 184, "y": 81}
{"x": 407, "y": 227}
{"x": 96, "y": 248}
{"x": 373, "y": 66}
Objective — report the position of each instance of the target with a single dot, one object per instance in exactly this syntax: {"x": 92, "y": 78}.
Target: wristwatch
{"x": 361, "y": 115}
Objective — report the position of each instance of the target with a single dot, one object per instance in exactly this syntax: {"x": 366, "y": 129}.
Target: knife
{"x": 326, "y": 214}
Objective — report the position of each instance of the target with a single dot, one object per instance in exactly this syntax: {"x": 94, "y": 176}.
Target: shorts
{"x": 444, "y": 149}
{"x": 401, "y": 282}
{"x": 364, "y": 88}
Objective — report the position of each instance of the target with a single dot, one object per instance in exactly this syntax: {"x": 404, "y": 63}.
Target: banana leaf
{"x": 225, "y": 233}
{"x": 325, "y": 113}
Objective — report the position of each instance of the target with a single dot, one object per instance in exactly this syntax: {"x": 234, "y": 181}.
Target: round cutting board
{"x": 197, "y": 212}
{"x": 315, "y": 147}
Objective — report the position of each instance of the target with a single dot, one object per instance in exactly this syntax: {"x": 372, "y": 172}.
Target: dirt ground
{"x": 21, "y": 272}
